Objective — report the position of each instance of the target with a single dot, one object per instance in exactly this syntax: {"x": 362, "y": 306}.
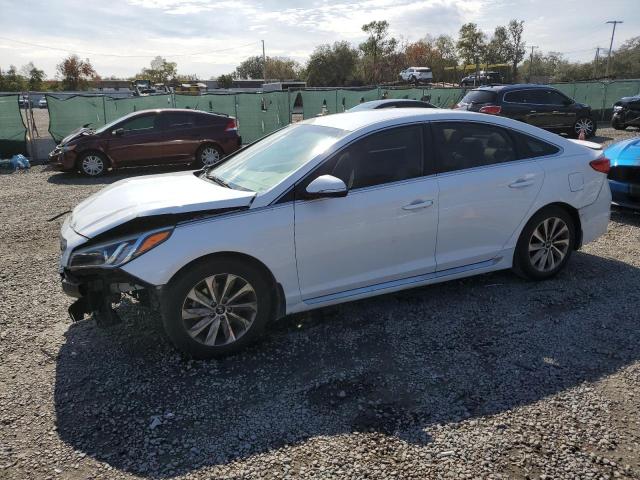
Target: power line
{"x": 100, "y": 54}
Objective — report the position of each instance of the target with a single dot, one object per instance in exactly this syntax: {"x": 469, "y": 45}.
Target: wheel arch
{"x": 573, "y": 213}
{"x": 279, "y": 306}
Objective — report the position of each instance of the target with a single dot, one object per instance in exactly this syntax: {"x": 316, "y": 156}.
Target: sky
{"x": 210, "y": 37}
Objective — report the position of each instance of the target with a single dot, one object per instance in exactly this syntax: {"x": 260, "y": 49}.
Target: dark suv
{"x": 539, "y": 105}
{"x": 149, "y": 137}
{"x": 482, "y": 78}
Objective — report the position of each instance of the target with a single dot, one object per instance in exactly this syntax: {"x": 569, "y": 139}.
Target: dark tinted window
{"x": 518, "y": 96}
{"x": 480, "y": 96}
{"x": 529, "y": 147}
{"x": 555, "y": 98}
{"x": 539, "y": 97}
{"x": 464, "y": 145}
{"x": 175, "y": 120}
{"x": 139, "y": 124}
{"x": 384, "y": 157}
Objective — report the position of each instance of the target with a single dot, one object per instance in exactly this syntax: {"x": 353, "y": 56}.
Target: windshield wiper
{"x": 219, "y": 181}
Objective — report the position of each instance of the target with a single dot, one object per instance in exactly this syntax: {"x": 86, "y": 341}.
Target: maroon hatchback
{"x": 149, "y": 137}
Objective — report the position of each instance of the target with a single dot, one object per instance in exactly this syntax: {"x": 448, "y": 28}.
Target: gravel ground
{"x": 486, "y": 377}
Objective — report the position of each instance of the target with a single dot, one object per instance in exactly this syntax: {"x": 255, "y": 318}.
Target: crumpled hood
{"x": 625, "y": 152}
{"x": 152, "y": 195}
{"x": 73, "y": 135}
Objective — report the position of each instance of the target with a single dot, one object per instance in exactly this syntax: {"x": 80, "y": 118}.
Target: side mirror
{"x": 327, "y": 186}
{"x": 567, "y": 102}
{"x": 118, "y": 132}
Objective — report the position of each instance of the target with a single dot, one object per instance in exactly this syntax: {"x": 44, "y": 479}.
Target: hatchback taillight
{"x": 491, "y": 109}
{"x": 232, "y": 126}
{"x": 601, "y": 164}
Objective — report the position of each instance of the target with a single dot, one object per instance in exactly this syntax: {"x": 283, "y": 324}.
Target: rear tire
{"x": 216, "y": 307}
{"x": 208, "y": 155}
{"x": 617, "y": 125}
{"x": 545, "y": 244}
{"x": 93, "y": 164}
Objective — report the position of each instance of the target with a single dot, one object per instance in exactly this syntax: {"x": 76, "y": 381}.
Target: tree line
{"x": 379, "y": 59}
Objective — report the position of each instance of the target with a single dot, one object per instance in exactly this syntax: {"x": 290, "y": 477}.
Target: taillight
{"x": 232, "y": 126}
{"x": 491, "y": 109}
{"x": 601, "y": 164}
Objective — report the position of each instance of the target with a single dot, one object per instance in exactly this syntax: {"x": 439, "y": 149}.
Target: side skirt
{"x": 498, "y": 263}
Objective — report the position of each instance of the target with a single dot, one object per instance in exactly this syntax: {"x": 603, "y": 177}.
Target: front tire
{"x": 617, "y": 125}
{"x": 93, "y": 164}
{"x": 584, "y": 123}
{"x": 216, "y": 307}
{"x": 545, "y": 244}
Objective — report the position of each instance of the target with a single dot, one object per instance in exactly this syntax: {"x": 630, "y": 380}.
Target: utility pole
{"x": 531, "y": 60}
{"x": 264, "y": 64}
{"x": 614, "y": 22}
{"x": 595, "y": 62}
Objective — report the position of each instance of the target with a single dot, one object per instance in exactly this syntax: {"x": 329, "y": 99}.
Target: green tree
{"x": 625, "y": 62}
{"x": 471, "y": 44}
{"x": 160, "y": 71}
{"x": 225, "y": 81}
{"x": 497, "y": 50}
{"x": 76, "y": 73}
{"x": 250, "y": 68}
{"x": 34, "y": 76}
{"x": 12, "y": 81}
{"x": 278, "y": 68}
{"x": 332, "y": 65}
{"x": 377, "y": 50}
{"x": 515, "y": 45}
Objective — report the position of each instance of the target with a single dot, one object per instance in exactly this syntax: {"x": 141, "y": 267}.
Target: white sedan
{"x": 330, "y": 210}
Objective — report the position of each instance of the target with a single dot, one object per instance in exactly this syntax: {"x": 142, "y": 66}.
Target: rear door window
{"x": 518, "y": 96}
{"x": 178, "y": 120}
{"x": 463, "y": 145}
{"x": 530, "y": 147}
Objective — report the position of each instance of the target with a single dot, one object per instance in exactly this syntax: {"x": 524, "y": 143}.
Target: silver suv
{"x": 417, "y": 75}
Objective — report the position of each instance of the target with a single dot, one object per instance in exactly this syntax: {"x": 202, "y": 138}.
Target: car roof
{"x": 517, "y": 86}
{"x": 176, "y": 110}
{"x": 377, "y": 103}
{"x": 352, "y": 121}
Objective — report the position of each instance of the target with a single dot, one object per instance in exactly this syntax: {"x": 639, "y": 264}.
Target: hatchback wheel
{"x": 545, "y": 244}
{"x": 586, "y": 125}
{"x": 92, "y": 164}
{"x": 217, "y": 308}
{"x": 208, "y": 155}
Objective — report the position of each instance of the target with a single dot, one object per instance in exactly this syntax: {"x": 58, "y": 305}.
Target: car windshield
{"x": 266, "y": 163}
{"x": 110, "y": 125}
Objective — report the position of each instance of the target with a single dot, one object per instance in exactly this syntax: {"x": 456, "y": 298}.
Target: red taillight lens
{"x": 601, "y": 164}
{"x": 491, "y": 109}
{"x": 232, "y": 126}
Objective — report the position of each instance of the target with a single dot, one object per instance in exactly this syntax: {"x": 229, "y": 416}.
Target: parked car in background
{"x": 24, "y": 101}
{"x": 333, "y": 209}
{"x": 482, "y": 78}
{"x": 149, "y": 137}
{"x": 391, "y": 103}
{"x": 42, "y": 103}
{"x": 626, "y": 113}
{"x": 417, "y": 75}
{"x": 624, "y": 176}
{"x": 539, "y": 105}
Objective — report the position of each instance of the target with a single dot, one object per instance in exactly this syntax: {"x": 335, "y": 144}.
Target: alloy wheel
{"x": 584, "y": 125}
{"x": 209, "y": 156}
{"x": 549, "y": 244}
{"x": 92, "y": 165}
{"x": 219, "y": 309}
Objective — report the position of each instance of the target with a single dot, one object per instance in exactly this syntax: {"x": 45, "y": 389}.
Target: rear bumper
{"x": 595, "y": 217}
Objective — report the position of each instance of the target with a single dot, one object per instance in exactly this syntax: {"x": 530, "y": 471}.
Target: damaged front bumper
{"x": 96, "y": 290}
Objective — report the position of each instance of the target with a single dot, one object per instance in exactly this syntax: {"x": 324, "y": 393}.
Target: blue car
{"x": 624, "y": 176}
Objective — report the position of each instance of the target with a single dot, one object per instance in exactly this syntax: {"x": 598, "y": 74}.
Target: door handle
{"x": 532, "y": 111}
{"x": 418, "y": 205}
{"x": 521, "y": 183}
